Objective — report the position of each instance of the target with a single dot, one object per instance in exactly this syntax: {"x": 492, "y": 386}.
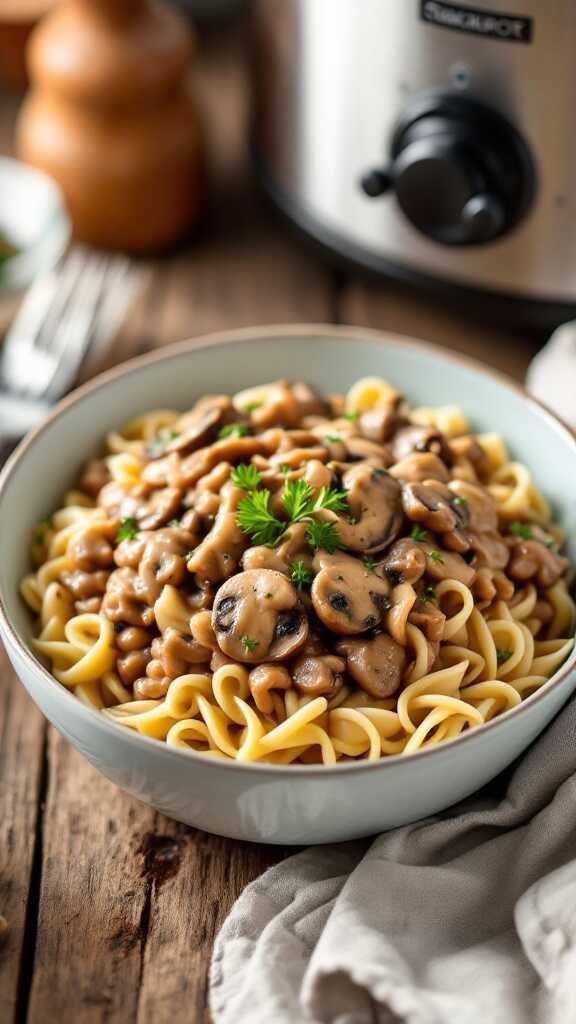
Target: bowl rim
{"x": 264, "y": 334}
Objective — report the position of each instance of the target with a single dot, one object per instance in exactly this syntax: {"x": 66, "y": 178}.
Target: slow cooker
{"x": 430, "y": 141}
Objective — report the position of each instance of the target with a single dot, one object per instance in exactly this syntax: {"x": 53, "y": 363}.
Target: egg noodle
{"x": 438, "y": 602}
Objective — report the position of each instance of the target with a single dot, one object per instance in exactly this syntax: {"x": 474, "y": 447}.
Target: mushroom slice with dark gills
{"x": 376, "y": 665}
{"x": 418, "y": 467}
{"x": 257, "y": 617}
{"x": 318, "y": 675}
{"x": 415, "y": 438}
{"x": 347, "y": 597}
{"x": 430, "y": 503}
{"x": 405, "y": 562}
{"x": 375, "y": 509}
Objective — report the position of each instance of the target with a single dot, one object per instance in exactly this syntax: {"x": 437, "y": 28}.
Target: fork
{"x": 77, "y": 304}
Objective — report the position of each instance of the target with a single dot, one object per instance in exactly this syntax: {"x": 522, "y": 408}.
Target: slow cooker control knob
{"x": 461, "y": 173}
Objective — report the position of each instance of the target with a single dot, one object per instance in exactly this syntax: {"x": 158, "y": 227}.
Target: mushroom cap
{"x": 376, "y": 665}
{"x": 257, "y": 617}
{"x": 374, "y": 499}
{"x": 347, "y": 597}
{"x": 317, "y": 675}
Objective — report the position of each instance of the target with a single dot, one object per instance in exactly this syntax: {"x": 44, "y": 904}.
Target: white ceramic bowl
{"x": 277, "y": 804}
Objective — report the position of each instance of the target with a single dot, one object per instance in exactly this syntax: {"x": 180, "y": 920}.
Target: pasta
{"x": 284, "y": 578}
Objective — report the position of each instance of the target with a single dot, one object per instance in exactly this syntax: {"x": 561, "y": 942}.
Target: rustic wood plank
{"x": 389, "y": 307}
{"x": 95, "y": 899}
{"x": 22, "y": 739}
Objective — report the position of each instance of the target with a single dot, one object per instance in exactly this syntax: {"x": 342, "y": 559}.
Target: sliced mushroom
{"x": 405, "y": 562}
{"x": 415, "y": 438}
{"x": 467, "y": 447}
{"x": 531, "y": 560}
{"x": 347, "y": 597}
{"x": 477, "y": 504}
{"x": 91, "y": 548}
{"x": 184, "y": 473}
{"x": 163, "y": 560}
{"x": 94, "y": 477}
{"x": 257, "y": 617}
{"x": 446, "y": 565}
{"x": 376, "y": 665}
{"x": 285, "y": 404}
{"x": 489, "y": 549}
{"x": 359, "y": 448}
{"x": 217, "y": 556}
{"x": 430, "y": 503}
{"x": 418, "y": 467}
{"x": 265, "y": 678}
{"x": 374, "y": 502}
{"x": 197, "y": 431}
{"x": 318, "y": 675}
{"x": 379, "y": 423}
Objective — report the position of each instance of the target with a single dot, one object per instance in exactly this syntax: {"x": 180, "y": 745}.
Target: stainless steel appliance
{"x": 430, "y": 141}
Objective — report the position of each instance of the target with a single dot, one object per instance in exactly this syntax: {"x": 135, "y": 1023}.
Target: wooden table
{"x": 111, "y": 908}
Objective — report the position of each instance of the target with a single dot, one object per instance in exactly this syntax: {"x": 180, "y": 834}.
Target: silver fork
{"x": 78, "y": 303}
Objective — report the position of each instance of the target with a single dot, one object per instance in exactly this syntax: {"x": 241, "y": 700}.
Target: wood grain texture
{"x": 22, "y": 738}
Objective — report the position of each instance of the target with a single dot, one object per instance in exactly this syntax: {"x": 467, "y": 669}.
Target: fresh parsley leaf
{"x": 522, "y": 530}
{"x": 436, "y": 556}
{"x": 42, "y": 528}
{"x": 351, "y": 416}
{"x": 245, "y": 476}
{"x": 502, "y": 654}
{"x": 251, "y": 406}
{"x": 298, "y": 499}
{"x": 332, "y": 438}
{"x": 254, "y": 517}
{"x": 369, "y": 564}
{"x": 428, "y": 594}
{"x": 174, "y": 522}
{"x": 331, "y": 499}
{"x": 249, "y": 644}
{"x": 458, "y": 500}
{"x": 549, "y": 542}
{"x": 233, "y": 430}
{"x": 417, "y": 533}
{"x": 158, "y": 444}
{"x": 285, "y": 469}
{"x": 301, "y": 575}
{"x": 127, "y": 530}
{"x": 323, "y": 535}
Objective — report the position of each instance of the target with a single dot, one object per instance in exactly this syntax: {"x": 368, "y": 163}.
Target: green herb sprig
{"x": 233, "y": 430}
{"x": 502, "y": 654}
{"x": 245, "y": 476}
{"x": 418, "y": 533}
{"x": 127, "y": 530}
{"x": 301, "y": 575}
{"x": 301, "y": 503}
{"x": 522, "y": 530}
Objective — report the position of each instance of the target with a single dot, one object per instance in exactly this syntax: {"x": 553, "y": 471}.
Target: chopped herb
{"x": 436, "y": 556}
{"x": 252, "y": 406}
{"x": 502, "y": 654}
{"x": 254, "y": 517}
{"x": 351, "y": 416}
{"x": 428, "y": 594}
{"x": 301, "y": 575}
{"x": 458, "y": 500}
{"x": 127, "y": 530}
{"x": 417, "y": 533}
{"x": 174, "y": 522}
{"x": 549, "y": 542}
{"x": 269, "y": 594}
{"x": 522, "y": 530}
{"x": 332, "y": 438}
{"x": 249, "y": 644}
{"x": 158, "y": 444}
{"x": 370, "y": 564}
{"x": 323, "y": 535}
{"x": 233, "y": 430}
{"x": 300, "y": 501}
{"x": 245, "y": 476}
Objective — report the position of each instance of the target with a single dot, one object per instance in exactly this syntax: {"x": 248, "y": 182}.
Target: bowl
{"x": 272, "y": 803}
{"x": 34, "y": 219}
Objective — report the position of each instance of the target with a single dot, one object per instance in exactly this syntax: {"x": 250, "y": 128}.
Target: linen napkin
{"x": 465, "y": 918}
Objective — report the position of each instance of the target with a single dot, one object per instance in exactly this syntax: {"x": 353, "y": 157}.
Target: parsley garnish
{"x": 301, "y": 575}
{"x": 417, "y": 533}
{"x": 502, "y": 654}
{"x": 369, "y": 564}
{"x": 285, "y": 469}
{"x": 549, "y": 542}
{"x": 458, "y": 500}
{"x": 300, "y": 503}
{"x": 323, "y": 535}
{"x": 522, "y": 530}
{"x": 160, "y": 442}
{"x": 245, "y": 476}
{"x": 351, "y": 416}
{"x": 249, "y": 644}
{"x": 174, "y": 522}
{"x": 127, "y": 530}
{"x": 42, "y": 527}
{"x": 251, "y": 406}
{"x": 332, "y": 438}
{"x": 428, "y": 594}
{"x": 233, "y": 430}
{"x": 436, "y": 556}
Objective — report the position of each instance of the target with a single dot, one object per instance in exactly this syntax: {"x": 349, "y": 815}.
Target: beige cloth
{"x": 466, "y": 918}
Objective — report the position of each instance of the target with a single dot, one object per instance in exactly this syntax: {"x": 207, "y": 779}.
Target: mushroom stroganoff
{"x": 282, "y": 577}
